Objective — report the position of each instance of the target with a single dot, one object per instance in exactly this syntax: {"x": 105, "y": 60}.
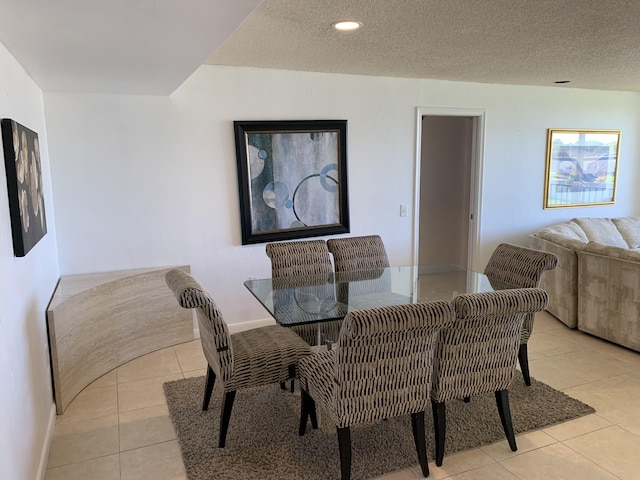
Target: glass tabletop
{"x": 319, "y": 298}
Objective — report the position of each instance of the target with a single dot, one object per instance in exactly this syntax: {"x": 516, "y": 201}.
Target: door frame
{"x": 475, "y": 184}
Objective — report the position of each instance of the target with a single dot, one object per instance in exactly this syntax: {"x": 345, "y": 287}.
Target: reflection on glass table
{"x": 324, "y": 297}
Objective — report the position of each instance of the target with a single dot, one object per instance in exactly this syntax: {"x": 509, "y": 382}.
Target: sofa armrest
{"x": 612, "y": 252}
{"x": 561, "y": 283}
{"x": 609, "y": 293}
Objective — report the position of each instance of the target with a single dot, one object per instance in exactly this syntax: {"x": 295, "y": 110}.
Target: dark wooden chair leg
{"x": 417, "y": 426}
{"x": 307, "y": 409}
{"x": 344, "y": 442}
{"x": 312, "y": 413}
{"x": 304, "y": 411}
{"x": 208, "y": 387}
{"x": 440, "y": 429}
{"x": 292, "y": 376}
{"x": 502, "y": 400}
{"x": 523, "y": 359}
{"x": 225, "y": 416}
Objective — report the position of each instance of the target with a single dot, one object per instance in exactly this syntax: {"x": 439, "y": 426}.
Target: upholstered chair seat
{"x": 250, "y": 358}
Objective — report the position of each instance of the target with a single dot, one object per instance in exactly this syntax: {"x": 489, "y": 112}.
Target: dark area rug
{"x": 263, "y": 441}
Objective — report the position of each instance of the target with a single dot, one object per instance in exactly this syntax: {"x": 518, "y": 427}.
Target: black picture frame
{"x": 24, "y": 185}
{"x": 292, "y": 179}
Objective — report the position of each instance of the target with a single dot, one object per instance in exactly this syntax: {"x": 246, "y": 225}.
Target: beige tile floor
{"x": 118, "y": 428}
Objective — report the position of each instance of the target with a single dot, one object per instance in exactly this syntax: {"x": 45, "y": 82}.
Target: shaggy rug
{"x": 263, "y": 442}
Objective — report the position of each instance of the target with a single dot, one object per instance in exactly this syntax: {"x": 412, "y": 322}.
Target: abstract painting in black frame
{"x": 24, "y": 185}
{"x": 292, "y": 179}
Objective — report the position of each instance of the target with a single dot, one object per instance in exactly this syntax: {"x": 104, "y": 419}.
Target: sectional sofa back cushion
{"x": 629, "y": 228}
{"x": 601, "y": 230}
{"x": 568, "y": 235}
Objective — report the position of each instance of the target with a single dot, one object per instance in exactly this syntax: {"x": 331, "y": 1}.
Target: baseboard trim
{"x": 46, "y": 446}
{"x": 242, "y": 326}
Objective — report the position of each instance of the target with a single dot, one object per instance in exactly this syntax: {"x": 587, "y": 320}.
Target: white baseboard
{"x": 46, "y": 446}
{"x": 242, "y": 326}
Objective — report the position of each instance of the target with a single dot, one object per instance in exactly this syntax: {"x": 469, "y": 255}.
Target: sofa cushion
{"x": 629, "y": 228}
{"x": 601, "y": 230}
{"x": 568, "y": 230}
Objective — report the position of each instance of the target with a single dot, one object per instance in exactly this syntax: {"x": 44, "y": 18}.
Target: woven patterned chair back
{"x": 519, "y": 267}
{"x": 309, "y": 257}
{"x": 214, "y": 334}
{"x": 478, "y": 352}
{"x": 358, "y": 253}
{"x": 511, "y": 266}
{"x": 384, "y": 360}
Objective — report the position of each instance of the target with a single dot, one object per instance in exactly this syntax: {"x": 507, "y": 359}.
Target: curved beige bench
{"x": 100, "y": 321}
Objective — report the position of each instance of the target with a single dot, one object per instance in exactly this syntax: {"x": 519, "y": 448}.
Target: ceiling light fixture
{"x": 347, "y": 25}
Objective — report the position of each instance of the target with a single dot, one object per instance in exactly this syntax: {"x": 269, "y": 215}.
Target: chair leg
{"x": 208, "y": 387}
{"x": 225, "y": 416}
{"x": 440, "y": 428}
{"x": 523, "y": 359}
{"x": 417, "y": 426}
{"x": 292, "y": 376}
{"x": 307, "y": 408}
{"x": 312, "y": 413}
{"x": 502, "y": 400}
{"x": 344, "y": 442}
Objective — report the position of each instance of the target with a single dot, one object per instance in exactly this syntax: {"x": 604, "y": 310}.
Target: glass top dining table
{"x": 319, "y": 298}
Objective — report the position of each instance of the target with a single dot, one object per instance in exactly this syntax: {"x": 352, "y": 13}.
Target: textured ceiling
{"x": 152, "y": 46}
{"x": 593, "y": 43}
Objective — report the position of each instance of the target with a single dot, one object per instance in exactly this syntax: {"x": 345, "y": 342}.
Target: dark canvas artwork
{"x": 292, "y": 178}
{"x": 24, "y": 185}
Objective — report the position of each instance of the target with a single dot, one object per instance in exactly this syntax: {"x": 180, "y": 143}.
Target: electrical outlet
{"x": 403, "y": 210}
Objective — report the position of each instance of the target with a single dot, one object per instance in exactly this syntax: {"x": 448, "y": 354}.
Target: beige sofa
{"x": 596, "y": 286}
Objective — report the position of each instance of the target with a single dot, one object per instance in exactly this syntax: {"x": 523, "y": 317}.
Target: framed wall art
{"x": 292, "y": 179}
{"x": 24, "y": 185}
{"x": 582, "y": 167}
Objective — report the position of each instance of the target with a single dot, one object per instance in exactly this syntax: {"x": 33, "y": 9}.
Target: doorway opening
{"x": 448, "y": 173}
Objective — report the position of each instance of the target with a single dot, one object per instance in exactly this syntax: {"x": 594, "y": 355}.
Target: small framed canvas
{"x": 582, "y": 167}
{"x": 24, "y": 185}
{"x": 292, "y": 179}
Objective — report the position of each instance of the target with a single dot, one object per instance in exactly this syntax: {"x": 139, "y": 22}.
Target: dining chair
{"x": 358, "y": 253}
{"x": 251, "y": 358}
{"x": 381, "y": 368}
{"x": 477, "y": 353}
{"x": 309, "y": 258}
{"x": 512, "y": 266}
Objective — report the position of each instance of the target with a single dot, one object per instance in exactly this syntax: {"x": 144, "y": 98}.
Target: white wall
{"x": 150, "y": 181}
{"x": 27, "y": 412}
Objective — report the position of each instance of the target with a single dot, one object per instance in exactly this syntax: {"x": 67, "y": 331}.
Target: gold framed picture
{"x": 582, "y": 167}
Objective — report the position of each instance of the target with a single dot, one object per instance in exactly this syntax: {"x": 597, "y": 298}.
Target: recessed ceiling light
{"x": 346, "y": 26}
{"x": 562, "y": 81}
